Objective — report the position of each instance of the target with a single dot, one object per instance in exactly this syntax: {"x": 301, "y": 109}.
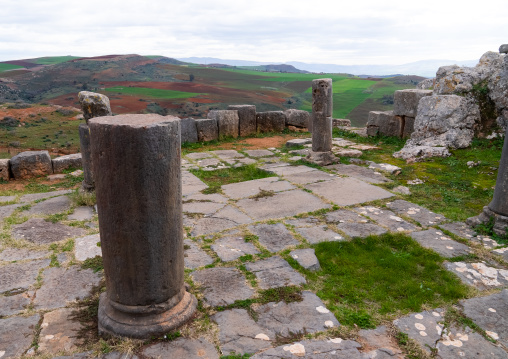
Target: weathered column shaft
{"x": 321, "y": 132}
{"x": 136, "y": 161}
{"x": 499, "y": 202}
{"x": 322, "y": 96}
{"x": 86, "y": 158}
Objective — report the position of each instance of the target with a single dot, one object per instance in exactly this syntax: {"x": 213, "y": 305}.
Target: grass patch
{"x": 376, "y": 278}
{"x": 94, "y": 263}
{"x": 53, "y": 60}
{"x": 216, "y": 178}
{"x": 150, "y": 92}
{"x": 7, "y": 67}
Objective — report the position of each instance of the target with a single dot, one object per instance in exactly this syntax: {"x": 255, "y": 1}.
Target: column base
{"x": 322, "y": 158}
{"x": 143, "y": 322}
{"x": 500, "y": 221}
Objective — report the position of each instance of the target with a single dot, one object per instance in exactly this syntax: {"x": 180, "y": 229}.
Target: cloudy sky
{"x": 342, "y": 32}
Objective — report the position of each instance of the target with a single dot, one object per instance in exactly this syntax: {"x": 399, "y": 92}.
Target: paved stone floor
{"x": 254, "y": 223}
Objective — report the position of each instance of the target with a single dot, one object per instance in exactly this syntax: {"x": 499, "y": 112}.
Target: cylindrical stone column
{"x": 322, "y": 97}
{"x": 499, "y": 204}
{"x": 86, "y": 159}
{"x": 321, "y": 132}
{"x": 136, "y": 161}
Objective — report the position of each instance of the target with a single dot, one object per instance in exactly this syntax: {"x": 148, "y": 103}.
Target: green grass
{"x": 216, "y": 178}
{"x": 7, "y": 67}
{"x": 150, "y": 92}
{"x": 377, "y": 278}
{"x": 53, "y": 60}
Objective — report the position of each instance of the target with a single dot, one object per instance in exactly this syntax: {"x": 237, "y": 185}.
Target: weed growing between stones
{"x": 453, "y": 317}
{"x": 263, "y": 194}
{"x": 94, "y": 263}
{"x": 216, "y": 178}
{"x": 81, "y": 198}
{"x": 376, "y": 278}
{"x": 236, "y": 356}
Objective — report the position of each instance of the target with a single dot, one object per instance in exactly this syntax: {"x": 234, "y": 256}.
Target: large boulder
{"x": 445, "y": 121}
{"x": 94, "y": 105}
{"x": 68, "y": 161}
{"x": 31, "y": 164}
{"x": 405, "y": 102}
{"x": 297, "y": 118}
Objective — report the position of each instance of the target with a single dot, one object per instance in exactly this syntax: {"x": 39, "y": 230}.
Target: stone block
{"x": 94, "y": 105}
{"x": 405, "y": 102}
{"x": 384, "y": 123}
{"x": 341, "y": 122}
{"x": 207, "y": 129}
{"x": 227, "y": 122}
{"x": 409, "y": 126}
{"x": 246, "y": 119}
{"x": 270, "y": 121}
{"x": 298, "y": 118}
{"x": 189, "y": 132}
{"x": 31, "y": 164}
{"x": 69, "y": 161}
{"x": 4, "y": 169}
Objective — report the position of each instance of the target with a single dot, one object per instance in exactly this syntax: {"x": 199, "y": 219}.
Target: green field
{"x": 7, "y": 67}
{"x": 150, "y": 92}
{"x": 53, "y": 60}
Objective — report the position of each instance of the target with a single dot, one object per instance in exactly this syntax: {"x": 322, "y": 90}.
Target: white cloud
{"x": 328, "y": 31}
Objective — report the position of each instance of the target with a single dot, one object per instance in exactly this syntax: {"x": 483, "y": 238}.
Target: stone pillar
{"x": 136, "y": 161}
{"x": 88, "y": 184}
{"x": 498, "y": 207}
{"x": 321, "y": 119}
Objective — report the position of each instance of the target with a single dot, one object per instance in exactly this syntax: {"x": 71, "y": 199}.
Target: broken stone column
{"x": 93, "y": 105}
{"x": 136, "y": 161}
{"x": 322, "y": 108}
{"x": 498, "y": 207}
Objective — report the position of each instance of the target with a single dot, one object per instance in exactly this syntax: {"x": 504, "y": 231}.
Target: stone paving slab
{"x": 464, "y": 343}
{"x": 38, "y": 231}
{"x": 59, "y": 332}
{"x": 416, "y": 212}
{"x": 6, "y": 211}
{"x": 18, "y": 254}
{"x": 198, "y": 155}
{"x": 290, "y": 170}
{"x": 206, "y": 208}
{"x": 194, "y": 256}
{"x": 319, "y": 234}
{"x": 86, "y": 247}
{"x": 425, "y": 327}
{"x": 309, "y": 177}
{"x": 181, "y": 348}
{"x": 308, "y": 221}
{"x": 479, "y": 275}
{"x": 348, "y": 191}
{"x": 7, "y": 198}
{"x": 210, "y": 225}
{"x": 243, "y": 161}
{"x": 310, "y": 315}
{"x": 274, "y": 237}
{"x": 13, "y": 304}
{"x": 217, "y": 284}
{"x": 387, "y": 218}
{"x": 306, "y": 258}
{"x": 345, "y": 216}
{"x": 213, "y": 197}
{"x": 211, "y": 163}
{"x": 258, "y": 153}
{"x": 361, "y": 229}
{"x": 251, "y": 188}
{"x": 240, "y": 334}
{"x": 82, "y": 213}
{"x": 37, "y": 196}
{"x": 20, "y": 276}
{"x": 460, "y": 229}
{"x": 227, "y": 154}
{"x": 275, "y": 272}
{"x": 233, "y": 246}
{"x": 378, "y": 343}
{"x": 490, "y": 313}
{"x": 335, "y": 348}
{"x": 283, "y": 204}
{"x": 70, "y": 284}
{"x": 16, "y": 335}
{"x": 437, "y": 241}
{"x": 385, "y": 167}
{"x": 233, "y": 214}
{"x": 362, "y": 173}
{"x": 191, "y": 184}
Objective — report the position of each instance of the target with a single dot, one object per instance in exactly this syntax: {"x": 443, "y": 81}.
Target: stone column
{"x": 498, "y": 207}
{"x": 136, "y": 161}
{"x": 93, "y": 105}
{"x": 88, "y": 184}
{"x": 321, "y": 119}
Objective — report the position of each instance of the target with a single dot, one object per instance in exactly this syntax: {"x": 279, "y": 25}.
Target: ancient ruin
{"x": 138, "y": 184}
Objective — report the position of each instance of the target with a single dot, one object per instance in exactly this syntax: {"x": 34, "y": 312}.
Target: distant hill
{"x": 425, "y": 68}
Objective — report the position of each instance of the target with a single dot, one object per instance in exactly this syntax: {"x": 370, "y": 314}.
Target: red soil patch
{"x": 23, "y": 114}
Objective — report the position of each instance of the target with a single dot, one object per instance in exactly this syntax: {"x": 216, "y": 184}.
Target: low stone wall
{"x": 31, "y": 164}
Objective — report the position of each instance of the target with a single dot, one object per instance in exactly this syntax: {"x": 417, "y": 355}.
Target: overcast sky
{"x": 319, "y": 31}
